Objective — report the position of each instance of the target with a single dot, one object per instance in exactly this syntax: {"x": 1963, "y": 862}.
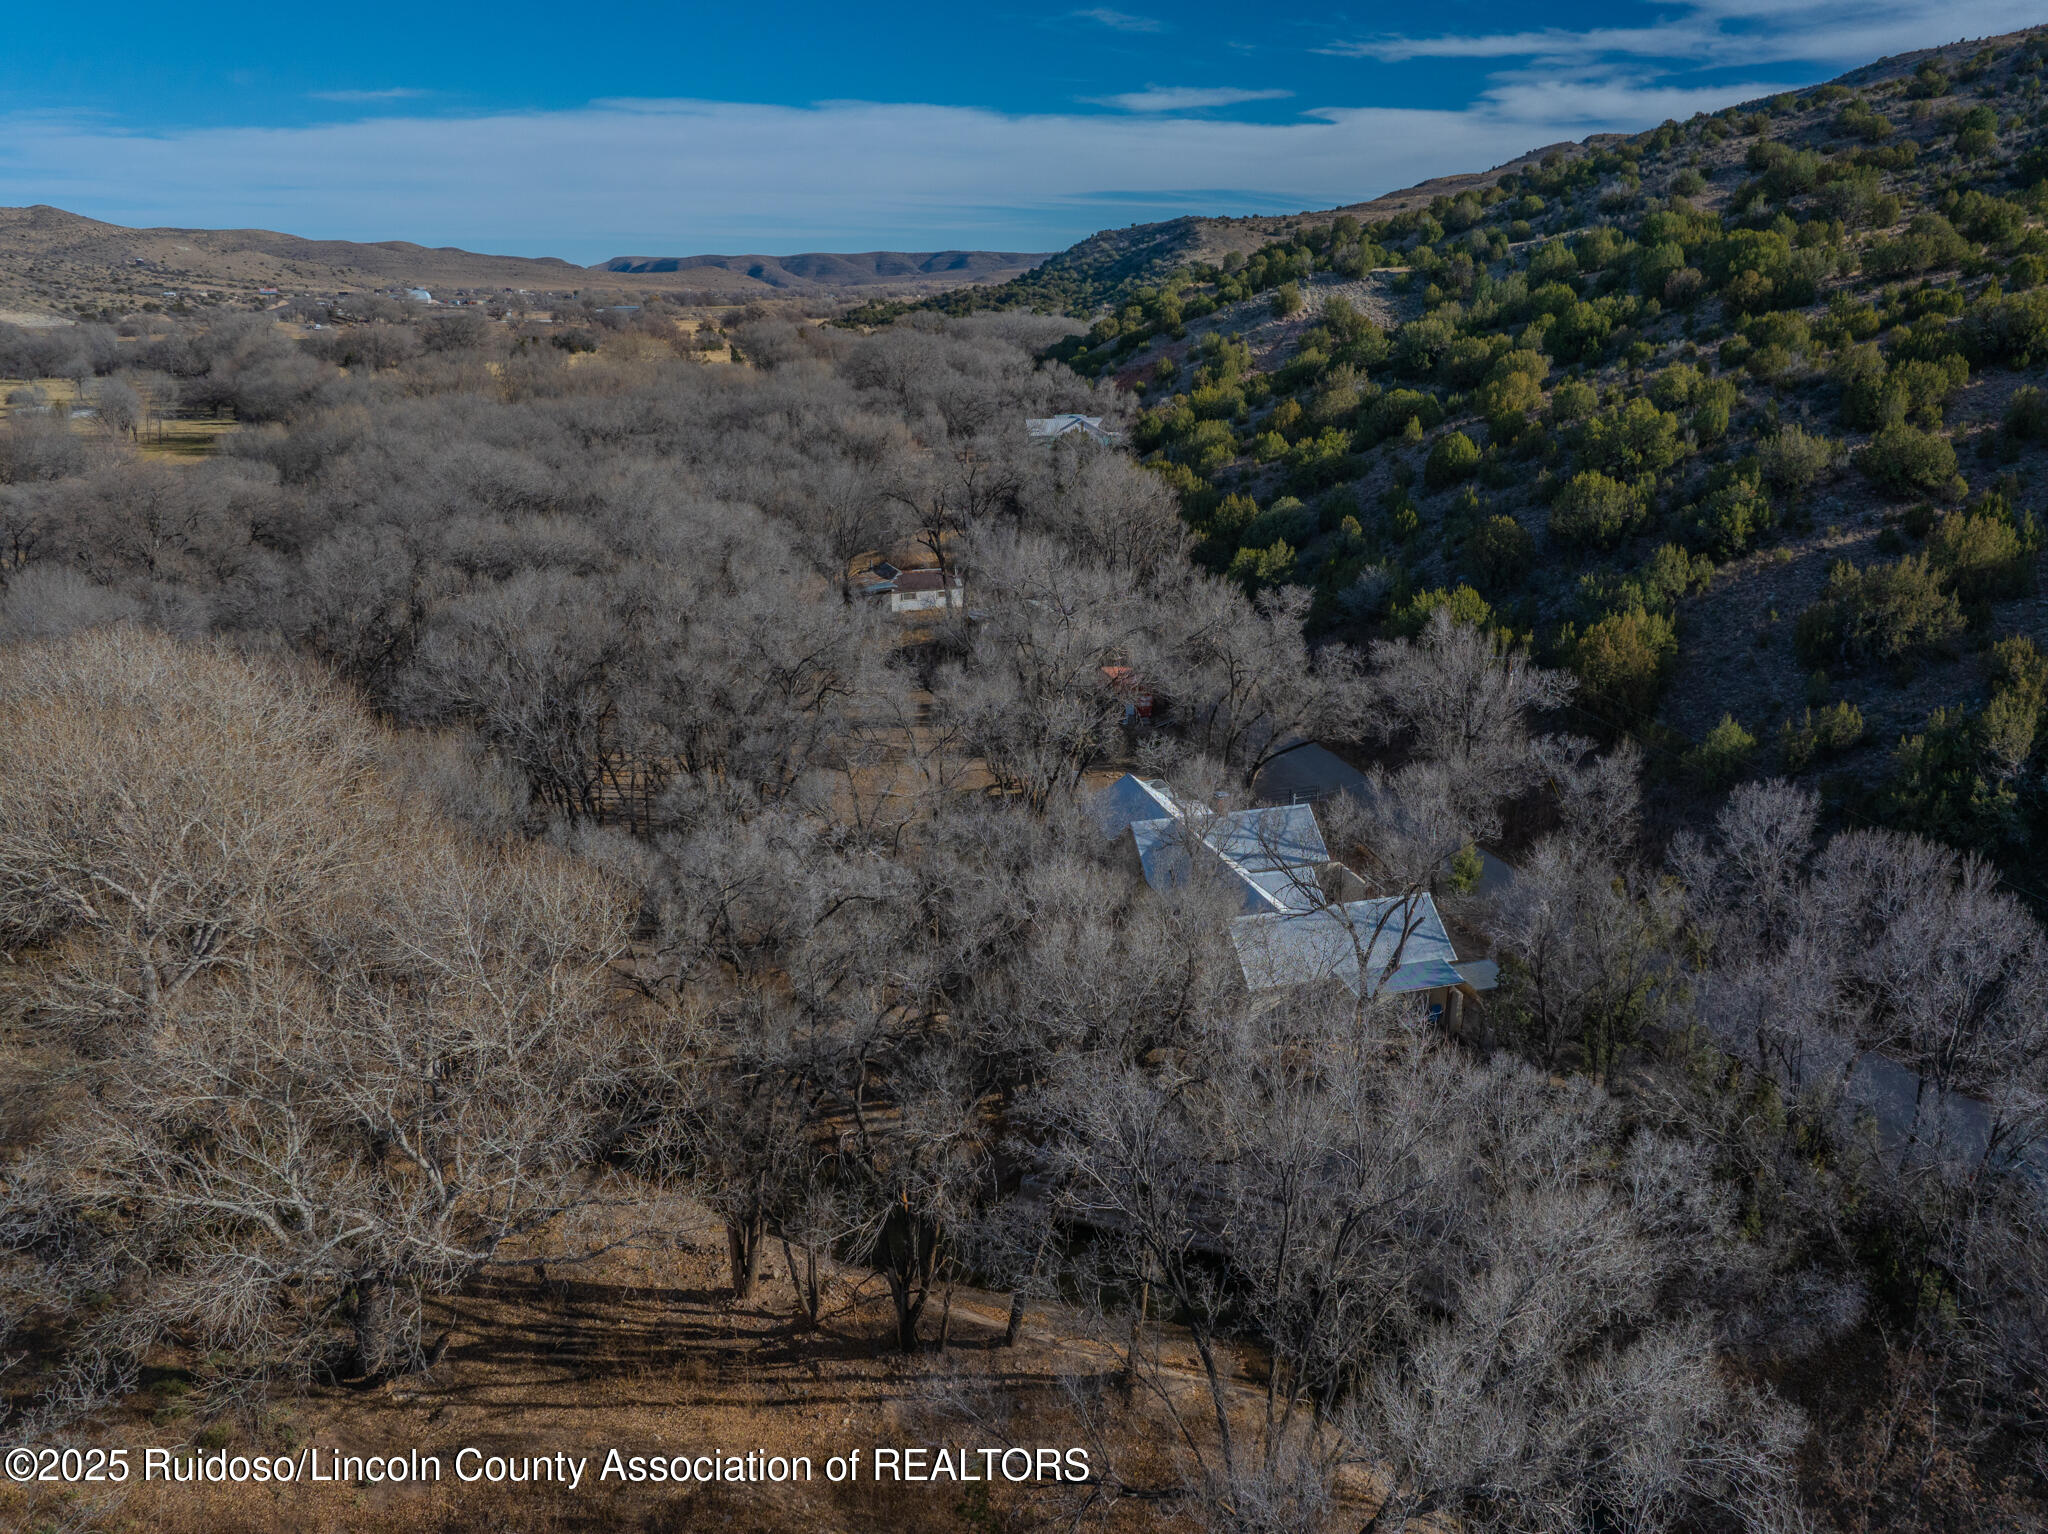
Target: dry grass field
{"x": 169, "y": 434}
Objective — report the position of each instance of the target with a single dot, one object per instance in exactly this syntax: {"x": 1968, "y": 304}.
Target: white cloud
{"x": 1552, "y": 42}
{"x": 676, "y": 177}
{"x": 1825, "y": 32}
{"x": 394, "y": 93}
{"x": 1538, "y": 95}
{"x": 1185, "y": 98}
{"x": 1118, "y": 21}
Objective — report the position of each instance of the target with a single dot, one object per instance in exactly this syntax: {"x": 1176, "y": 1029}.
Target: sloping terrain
{"x": 53, "y": 240}
{"x": 1115, "y": 261}
{"x": 1739, "y": 419}
{"x": 53, "y": 261}
{"x": 645, "y": 1351}
{"x": 604, "y": 985}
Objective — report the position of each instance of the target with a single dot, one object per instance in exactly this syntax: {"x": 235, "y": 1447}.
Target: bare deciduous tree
{"x": 338, "y": 1056}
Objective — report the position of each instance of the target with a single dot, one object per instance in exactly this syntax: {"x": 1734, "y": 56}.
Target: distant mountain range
{"x": 827, "y": 269}
{"x": 50, "y": 260}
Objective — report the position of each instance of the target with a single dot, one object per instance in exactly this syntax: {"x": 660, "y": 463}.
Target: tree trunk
{"x": 374, "y": 1326}
{"x": 1016, "y": 1326}
{"x": 909, "y": 1311}
{"x": 1216, "y": 1396}
{"x": 743, "y": 1240}
{"x": 909, "y": 1259}
{"x": 1130, "y": 1374}
{"x": 803, "y": 1278}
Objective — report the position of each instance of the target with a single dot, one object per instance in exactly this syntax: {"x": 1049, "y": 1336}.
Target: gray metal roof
{"x": 1128, "y": 801}
{"x": 1402, "y": 939}
{"x": 1480, "y": 974}
{"x": 1046, "y": 427}
{"x": 1288, "y": 935}
{"x": 1275, "y": 854}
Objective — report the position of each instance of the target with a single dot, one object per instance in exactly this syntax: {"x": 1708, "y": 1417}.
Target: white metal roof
{"x": 1288, "y": 935}
{"x": 1401, "y": 940}
{"x": 1049, "y": 426}
{"x": 1275, "y": 854}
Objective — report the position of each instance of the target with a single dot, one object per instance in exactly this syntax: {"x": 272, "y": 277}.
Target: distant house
{"x": 916, "y": 591}
{"x": 1299, "y": 925}
{"x": 1052, "y": 428}
{"x": 1136, "y": 696}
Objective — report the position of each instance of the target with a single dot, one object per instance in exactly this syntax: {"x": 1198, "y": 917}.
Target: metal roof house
{"x": 1291, "y": 932}
{"x": 1273, "y": 855}
{"x": 1052, "y": 427}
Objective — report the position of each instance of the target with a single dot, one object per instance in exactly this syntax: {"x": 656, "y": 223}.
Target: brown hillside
{"x": 51, "y": 259}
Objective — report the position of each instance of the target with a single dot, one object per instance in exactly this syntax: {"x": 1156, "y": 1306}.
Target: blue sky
{"x": 645, "y": 130}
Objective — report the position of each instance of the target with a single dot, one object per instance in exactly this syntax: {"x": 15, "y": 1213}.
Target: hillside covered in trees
{"x": 500, "y": 912}
{"x": 1740, "y": 420}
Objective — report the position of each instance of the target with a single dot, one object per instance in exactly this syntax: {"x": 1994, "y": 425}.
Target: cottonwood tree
{"x": 339, "y": 1056}
{"x": 1111, "y": 514}
{"x": 167, "y": 814}
{"x": 1558, "y": 1379}
{"x": 840, "y": 512}
{"x": 118, "y": 408}
{"x": 1879, "y": 958}
{"x": 725, "y": 1104}
{"x": 1242, "y": 683}
{"x": 1880, "y": 941}
{"x": 915, "y": 1161}
{"x": 1034, "y": 699}
{"x": 954, "y": 487}
{"x": 774, "y": 948}
{"x": 1338, "y": 1206}
{"x": 1459, "y": 1289}
{"x": 28, "y": 528}
{"x": 1589, "y": 955}
{"x": 1095, "y": 960}
{"x": 1597, "y": 794}
{"x": 1137, "y": 1161}
{"x": 539, "y": 667}
{"x": 1464, "y": 699}
{"x": 1951, "y": 972}
{"x": 50, "y": 601}
{"x": 148, "y": 522}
